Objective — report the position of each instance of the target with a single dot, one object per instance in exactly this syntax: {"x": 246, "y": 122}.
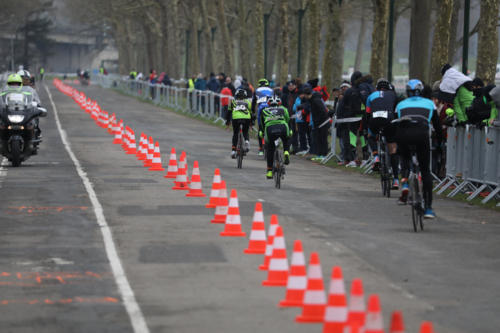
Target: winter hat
{"x": 355, "y": 76}
{"x": 478, "y": 82}
{"x": 445, "y": 68}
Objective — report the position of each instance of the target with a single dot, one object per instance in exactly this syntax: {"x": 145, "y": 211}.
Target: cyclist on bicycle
{"x": 380, "y": 111}
{"x": 259, "y": 102}
{"x": 415, "y": 132}
{"x": 239, "y": 114}
{"x": 274, "y": 122}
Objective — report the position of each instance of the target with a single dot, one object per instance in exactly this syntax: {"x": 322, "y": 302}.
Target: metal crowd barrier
{"x": 472, "y": 162}
{"x": 203, "y": 103}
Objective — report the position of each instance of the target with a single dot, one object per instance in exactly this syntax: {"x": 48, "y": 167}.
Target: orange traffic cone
{"x": 172, "y": 165}
{"x": 354, "y": 328}
{"x": 148, "y": 162}
{"x": 313, "y": 310}
{"x": 357, "y": 307}
{"x": 222, "y": 205}
{"x": 186, "y": 170}
{"x": 257, "y": 242}
{"x": 297, "y": 279}
{"x": 212, "y": 203}
{"x": 119, "y": 134}
{"x": 426, "y": 327}
{"x": 142, "y": 151}
{"x": 277, "y": 274}
{"x": 336, "y": 310}
{"x": 126, "y": 138}
{"x": 132, "y": 148}
{"x": 271, "y": 232}
{"x": 397, "y": 324}
{"x": 195, "y": 186}
{"x": 374, "y": 322}
{"x": 156, "y": 159}
{"x": 181, "y": 181}
{"x": 232, "y": 228}
{"x": 111, "y": 123}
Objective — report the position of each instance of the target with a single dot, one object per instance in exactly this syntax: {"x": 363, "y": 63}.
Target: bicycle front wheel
{"x": 239, "y": 151}
{"x": 413, "y": 199}
{"x": 277, "y": 165}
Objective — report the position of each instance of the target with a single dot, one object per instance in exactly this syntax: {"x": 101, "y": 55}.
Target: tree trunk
{"x": 452, "y": 45}
{"x": 243, "y": 16}
{"x": 174, "y": 47}
{"x": 259, "y": 39}
{"x": 285, "y": 41}
{"x": 487, "y": 43}
{"x": 314, "y": 38}
{"x": 208, "y": 37}
{"x": 441, "y": 42}
{"x": 379, "y": 38}
{"x": 226, "y": 41}
{"x": 333, "y": 60}
{"x": 419, "y": 39}
{"x": 361, "y": 40}
{"x": 194, "y": 58}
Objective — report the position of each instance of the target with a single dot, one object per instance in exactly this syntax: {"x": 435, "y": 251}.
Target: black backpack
{"x": 479, "y": 110}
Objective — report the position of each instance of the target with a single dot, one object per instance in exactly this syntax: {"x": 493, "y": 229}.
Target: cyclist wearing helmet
{"x": 28, "y": 85}
{"x": 259, "y": 102}
{"x": 421, "y": 112}
{"x": 239, "y": 113}
{"x": 274, "y": 124}
{"x": 380, "y": 111}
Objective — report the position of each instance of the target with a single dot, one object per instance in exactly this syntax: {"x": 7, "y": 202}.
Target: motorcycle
{"x": 19, "y": 133}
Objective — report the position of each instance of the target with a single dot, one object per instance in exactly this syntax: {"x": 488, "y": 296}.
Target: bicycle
{"x": 385, "y": 167}
{"x": 415, "y": 194}
{"x": 240, "y": 150}
{"x": 278, "y": 163}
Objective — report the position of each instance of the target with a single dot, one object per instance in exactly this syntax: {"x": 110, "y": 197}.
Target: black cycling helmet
{"x": 240, "y": 94}
{"x": 273, "y": 100}
{"x": 306, "y": 89}
{"x": 383, "y": 83}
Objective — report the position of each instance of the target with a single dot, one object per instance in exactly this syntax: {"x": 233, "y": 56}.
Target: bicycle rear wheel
{"x": 413, "y": 199}
{"x": 388, "y": 174}
{"x": 239, "y": 151}
{"x": 277, "y": 165}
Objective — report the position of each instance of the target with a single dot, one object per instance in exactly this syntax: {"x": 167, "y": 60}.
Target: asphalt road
{"x": 55, "y": 274}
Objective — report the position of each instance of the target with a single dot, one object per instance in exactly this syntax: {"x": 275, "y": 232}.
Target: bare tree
{"x": 487, "y": 45}
{"x": 441, "y": 41}
{"x": 333, "y": 59}
{"x": 379, "y": 38}
{"x": 285, "y": 54}
{"x": 361, "y": 39}
{"x": 314, "y": 38}
{"x": 419, "y": 39}
{"x": 221, "y": 15}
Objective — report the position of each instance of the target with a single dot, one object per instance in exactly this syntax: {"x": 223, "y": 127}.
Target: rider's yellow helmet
{"x": 14, "y": 78}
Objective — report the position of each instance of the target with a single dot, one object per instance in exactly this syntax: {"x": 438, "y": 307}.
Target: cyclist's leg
{"x": 236, "y": 130}
{"x": 261, "y": 127}
{"x": 423, "y": 156}
{"x": 246, "y": 127}
{"x": 270, "y": 146}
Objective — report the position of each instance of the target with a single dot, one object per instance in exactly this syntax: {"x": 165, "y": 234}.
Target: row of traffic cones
{"x": 304, "y": 287}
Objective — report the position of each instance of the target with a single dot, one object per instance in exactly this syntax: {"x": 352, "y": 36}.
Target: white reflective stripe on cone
{"x": 258, "y": 235}
{"x": 279, "y": 243}
{"x": 258, "y": 217}
{"x": 221, "y": 210}
{"x": 233, "y": 219}
{"x": 357, "y": 303}
{"x": 336, "y": 314}
{"x": 278, "y": 264}
{"x": 296, "y": 282}
{"x": 337, "y": 287}
{"x": 373, "y": 321}
{"x": 314, "y": 272}
{"x": 298, "y": 259}
{"x": 195, "y": 186}
{"x": 314, "y": 297}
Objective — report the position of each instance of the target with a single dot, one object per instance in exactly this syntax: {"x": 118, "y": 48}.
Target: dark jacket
{"x": 318, "y": 110}
{"x": 213, "y": 84}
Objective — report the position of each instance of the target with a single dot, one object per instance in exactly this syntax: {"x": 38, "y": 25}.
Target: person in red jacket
{"x": 226, "y": 90}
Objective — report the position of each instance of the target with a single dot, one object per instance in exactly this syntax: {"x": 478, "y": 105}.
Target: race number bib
{"x": 380, "y": 114}
{"x": 262, "y": 99}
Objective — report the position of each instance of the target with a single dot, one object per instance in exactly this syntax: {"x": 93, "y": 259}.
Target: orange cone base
{"x": 210, "y": 205}
{"x": 196, "y": 195}
{"x": 117, "y": 141}
{"x": 263, "y": 267}
{"x": 156, "y": 168}
{"x": 278, "y": 283}
{"x": 147, "y": 164}
{"x": 171, "y": 175}
{"x": 233, "y": 234}
{"x": 181, "y": 186}
{"x": 219, "y": 219}
{"x": 256, "y": 247}
{"x": 312, "y": 314}
{"x": 333, "y": 327}
{"x": 293, "y": 298}
{"x": 131, "y": 152}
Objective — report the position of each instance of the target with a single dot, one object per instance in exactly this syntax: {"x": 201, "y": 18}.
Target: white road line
{"x": 131, "y": 305}
{"x": 3, "y": 170}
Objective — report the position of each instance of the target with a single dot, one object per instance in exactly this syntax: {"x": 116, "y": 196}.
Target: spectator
{"x": 225, "y": 101}
{"x": 152, "y": 81}
{"x": 320, "y": 122}
{"x": 201, "y": 85}
{"x": 288, "y": 98}
{"x": 303, "y": 133}
{"x": 166, "y": 80}
{"x": 229, "y": 84}
{"x": 213, "y": 84}
{"x": 456, "y": 88}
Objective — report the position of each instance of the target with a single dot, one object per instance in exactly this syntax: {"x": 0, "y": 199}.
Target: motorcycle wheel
{"x": 15, "y": 149}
